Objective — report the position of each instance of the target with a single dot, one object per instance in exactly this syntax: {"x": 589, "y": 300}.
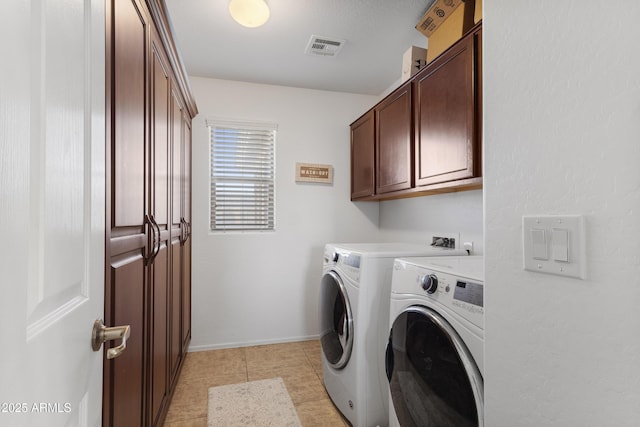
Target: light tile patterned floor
{"x": 299, "y": 364}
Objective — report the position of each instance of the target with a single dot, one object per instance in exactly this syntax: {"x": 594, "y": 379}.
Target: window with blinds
{"x": 242, "y": 176}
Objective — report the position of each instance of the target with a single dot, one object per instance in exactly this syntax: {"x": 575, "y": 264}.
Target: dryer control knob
{"x": 430, "y": 283}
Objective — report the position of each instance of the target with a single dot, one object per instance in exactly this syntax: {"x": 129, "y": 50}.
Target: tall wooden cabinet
{"x": 147, "y": 286}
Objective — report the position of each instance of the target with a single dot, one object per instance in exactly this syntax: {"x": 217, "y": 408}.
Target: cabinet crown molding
{"x": 161, "y": 18}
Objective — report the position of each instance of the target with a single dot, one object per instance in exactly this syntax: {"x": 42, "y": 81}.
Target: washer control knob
{"x": 336, "y": 256}
{"x": 430, "y": 283}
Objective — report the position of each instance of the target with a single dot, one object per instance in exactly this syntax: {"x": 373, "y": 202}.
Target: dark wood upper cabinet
{"x": 445, "y": 117}
{"x": 426, "y": 136}
{"x": 363, "y": 157}
{"x": 394, "y": 142}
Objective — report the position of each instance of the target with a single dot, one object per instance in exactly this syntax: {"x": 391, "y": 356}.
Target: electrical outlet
{"x": 446, "y": 240}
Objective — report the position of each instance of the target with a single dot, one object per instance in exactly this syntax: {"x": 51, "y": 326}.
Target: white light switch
{"x": 560, "y": 244}
{"x": 554, "y": 244}
{"x": 539, "y": 244}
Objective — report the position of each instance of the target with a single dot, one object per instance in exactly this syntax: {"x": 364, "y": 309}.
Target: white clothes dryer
{"x": 354, "y": 310}
{"x": 435, "y": 352}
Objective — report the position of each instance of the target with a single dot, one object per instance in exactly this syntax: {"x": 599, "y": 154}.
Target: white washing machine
{"x": 435, "y": 352}
{"x": 354, "y": 320}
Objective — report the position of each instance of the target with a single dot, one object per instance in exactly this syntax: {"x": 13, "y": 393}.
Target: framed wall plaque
{"x": 309, "y": 172}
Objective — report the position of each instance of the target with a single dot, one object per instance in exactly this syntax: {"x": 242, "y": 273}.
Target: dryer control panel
{"x": 342, "y": 258}
{"x": 460, "y": 293}
{"x": 349, "y": 259}
{"x": 346, "y": 263}
{"x": 469, "y": 292}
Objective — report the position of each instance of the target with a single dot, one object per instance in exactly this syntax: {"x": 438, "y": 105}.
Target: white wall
{"x": 418, "y": 219}
{"x": 562, "y": 135}
{"x": 263, "y": 287}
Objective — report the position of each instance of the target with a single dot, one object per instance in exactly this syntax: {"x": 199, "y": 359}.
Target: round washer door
{"x": 433, "y": 378}
{"x": 336, "y": 321}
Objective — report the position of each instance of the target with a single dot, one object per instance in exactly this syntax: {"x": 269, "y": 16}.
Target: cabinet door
{"x": 394, "y": 141}
{"x": 159, "y": 278}
{"x": 177, "y": 173}
{"x": 363, "y": 157}
{"x": 186, "y": 248}
{"x": 478, "y": 81}
{"x": 445, "y": 117}
{"x": 127, "y": 232}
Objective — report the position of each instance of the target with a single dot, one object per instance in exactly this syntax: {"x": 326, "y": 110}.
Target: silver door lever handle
{"x": 102, "y": 334}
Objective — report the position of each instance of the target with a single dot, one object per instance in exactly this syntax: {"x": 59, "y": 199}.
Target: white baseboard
{"x": 194, "y": 348}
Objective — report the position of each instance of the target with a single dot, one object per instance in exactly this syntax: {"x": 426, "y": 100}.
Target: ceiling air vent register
{"x": 324, "y": 46}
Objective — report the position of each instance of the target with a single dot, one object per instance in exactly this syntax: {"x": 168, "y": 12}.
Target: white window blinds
{"x": 242, "y": 176}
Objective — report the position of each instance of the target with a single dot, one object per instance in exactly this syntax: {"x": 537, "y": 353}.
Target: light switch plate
{"x": 539, "y": 243}
{"x": 564, "y": 237}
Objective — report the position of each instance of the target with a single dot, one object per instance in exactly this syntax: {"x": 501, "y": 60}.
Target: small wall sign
{"x": 308, "y": 172}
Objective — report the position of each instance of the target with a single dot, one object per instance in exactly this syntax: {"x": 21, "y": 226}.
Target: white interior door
{"x": 52, "y": 183}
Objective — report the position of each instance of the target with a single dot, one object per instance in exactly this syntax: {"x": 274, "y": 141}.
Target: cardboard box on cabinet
{"x": 439, "y": 11}
{"x": 412, "y": 61}
{"x": 451, "y": 30}
{"x": 477, "y": 16}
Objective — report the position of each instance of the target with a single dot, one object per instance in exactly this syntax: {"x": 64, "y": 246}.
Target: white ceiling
{"x": 377, "y": 34}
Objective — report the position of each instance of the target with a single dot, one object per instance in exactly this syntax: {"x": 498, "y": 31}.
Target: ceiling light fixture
{"x": 249, "y": 13}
